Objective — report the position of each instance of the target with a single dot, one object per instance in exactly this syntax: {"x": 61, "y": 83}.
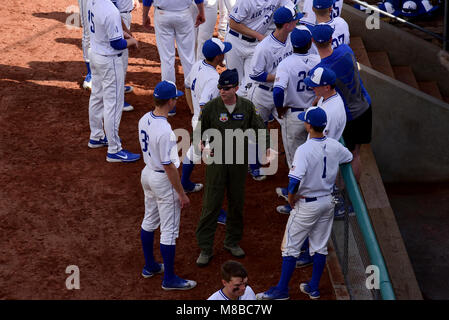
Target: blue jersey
{"x": 349, "y": 84}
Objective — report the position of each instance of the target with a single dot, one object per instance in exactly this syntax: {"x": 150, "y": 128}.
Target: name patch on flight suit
{"x": 223, "y": 117}
{"x": 238, "y": 116}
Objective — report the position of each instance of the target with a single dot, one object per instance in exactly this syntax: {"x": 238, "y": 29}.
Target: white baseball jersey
{"x": 158, "y": 142}
{"x": 202, "y": 81}
{"x": 310, "y": 16}
{"x": 257, "y": 14}
{"x": 316, "y": 163}
{"x": 124, "y": 5}
{"x": 248, "y": 295}
{"x": 105, "y": 26}
{"x": 290, "y": 75}
{"x": 267, "y": 56}
{"x": 340, "y": 35}
{"x": 336, "y": 115}
{"x": 172, "y": 5}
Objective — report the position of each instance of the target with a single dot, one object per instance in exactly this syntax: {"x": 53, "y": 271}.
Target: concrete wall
{"x": 410, "y": 130}
{"x": 403, "y": 48}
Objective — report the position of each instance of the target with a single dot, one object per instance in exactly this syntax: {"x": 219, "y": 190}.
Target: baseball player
{"x": 289, "y": 83}
{"x": 267, "y": 56}
{"x": 350, "y": 87}
{"x": 87, "y": 83}
{"x": 224, "y": 7}
{"x": 173, "y": 22}
{"x": 164, "y": 195}
{"x": 205, "y": 30}
{"x": 309, "y": 14}
{"x": 248, "y": 24}
{"x": 235, "y": 283}
{"x": 107, "y": 97}
{"x": 312, "y": 176}
{"x": 323, "y": 14}
{"x": 201, "y": 87}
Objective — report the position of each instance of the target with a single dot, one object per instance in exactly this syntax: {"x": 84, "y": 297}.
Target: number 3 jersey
{"x": 157, "y": 141}
{"x": 290, "y": 75}
{"x": 316, "y": 164}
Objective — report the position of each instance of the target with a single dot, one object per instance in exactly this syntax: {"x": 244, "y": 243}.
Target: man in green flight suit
{"x": 229, "y": 118}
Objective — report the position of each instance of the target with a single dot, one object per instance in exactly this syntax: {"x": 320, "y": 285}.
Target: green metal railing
{"x": 363, "y": 220}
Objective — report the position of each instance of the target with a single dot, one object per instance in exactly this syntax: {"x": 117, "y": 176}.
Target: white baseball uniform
{"x": 248, "y": 295}
{"x": 85, "y": 24}
{"x": 162, "y": 205}
{"x": 107, "y": 96}
{"x": 267, "y": 56}
{"x": 341, "y": 32}
{"x": 205, "y": 30}
{"x": 173, "y": 22}
{"x": 256, "y": 15}
{"x": 310, "y": 16}
{"x": 290, "y": 75}
{"x": 336, "y": 116}
{"x": 224, "y": 7}
{"x": 202, "y": 81}
{"x": 315, "y": 165}
{"x": 125, "y": 7}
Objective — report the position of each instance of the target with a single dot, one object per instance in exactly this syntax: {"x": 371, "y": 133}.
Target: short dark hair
{"x": 160, "y": 102}
{"x": 318, "y": 129}
{"x": 303, "y": 50}
{"x": 231, "y": 269}
{"x": 323, "y": 45}
{"x": 321, "y": 12}
{"x": 279, "y": 25}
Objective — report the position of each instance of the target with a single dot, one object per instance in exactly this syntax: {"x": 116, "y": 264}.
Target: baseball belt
{"x": 238, "y": 35}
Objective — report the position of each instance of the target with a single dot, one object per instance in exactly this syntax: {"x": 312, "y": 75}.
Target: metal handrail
{"x": 364, "y": 222}
{"x": 433, "y": 34}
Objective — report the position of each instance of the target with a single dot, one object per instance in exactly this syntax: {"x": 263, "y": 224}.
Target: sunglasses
{"x": 225, "y": 88}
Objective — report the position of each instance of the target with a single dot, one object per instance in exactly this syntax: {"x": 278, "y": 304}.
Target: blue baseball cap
{"x": 322, "y": 33}
{"x": 314, "y": 116}
{"x": 323, "y": 4}
{"x": 321, "y": 77}
{"x": 285, "y": 14}
{"x": 300, "y": 37}
{"x": 229, "y": 77}
{"x": 166, "y": 90}
{"x": 214, "y": 47}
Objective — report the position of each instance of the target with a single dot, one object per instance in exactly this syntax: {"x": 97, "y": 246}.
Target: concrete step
{"x": 380, "y": 62}
{"x": 430, "y": 87}
{"x": 406, "y": 75}
{"x": 360, "y": 52}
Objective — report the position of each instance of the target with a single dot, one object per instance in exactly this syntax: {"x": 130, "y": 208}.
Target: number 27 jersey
{"x": 316, "y": 164}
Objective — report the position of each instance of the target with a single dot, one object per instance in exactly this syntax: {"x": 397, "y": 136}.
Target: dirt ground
{"x": 62, "y": 204}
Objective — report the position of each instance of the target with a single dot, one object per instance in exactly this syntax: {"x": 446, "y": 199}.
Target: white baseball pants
{"x": 162, "y": 206}
{"x": 127, "y": 18}
{"x": 206, "y": 30}
{"x": 224, "y": 7}
{"x": 263, "y": 101}
{"x": 293, "y": 133}
{"x": 312, "y": 219}
{"x": 85, "y": 24}
{"x": 106, "y": 99}
{"x": 171, "y": 26}
{"x": 239, "y": 57}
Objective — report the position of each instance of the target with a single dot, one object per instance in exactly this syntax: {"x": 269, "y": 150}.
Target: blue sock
{"x": 187, "y": 168}
{"x": 319, "y": 261}
{"x": 168, "y": 255}
{"x": 147, "y": 239}
{"x": 288, "y": 266}
{"x": 88, "y": 67}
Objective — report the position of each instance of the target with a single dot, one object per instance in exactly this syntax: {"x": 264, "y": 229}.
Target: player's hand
{"x": 136, "y": 4}
{"x": 132, "y": 42}
{"x": 146, "y": 22}
{"x": 271, "y": 154}
{"x": 127, "y": 35}
{"x": 200, "y": 18}
{"x": 281, "y": 111}
{"x": 260, "y": 36}
{"x": 185, "y": 201}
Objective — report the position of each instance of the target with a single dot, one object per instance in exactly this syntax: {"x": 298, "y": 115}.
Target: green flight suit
{"x": 225, "y": 176}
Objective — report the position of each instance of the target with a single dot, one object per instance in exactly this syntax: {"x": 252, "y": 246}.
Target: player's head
{"x": 315, "y": 119}
{"x": 322, "y": 35}
{"x": 301, "y": 38}
{"x": 322, "y": 80}
{"x": 214, "y": 50}
{"x": 228, "y": 83}
{"x": 323, "y": 8}
{"x": 165, "y": 94}
{"x": 234, "y": 278}
{"x": 286, "y": 17}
